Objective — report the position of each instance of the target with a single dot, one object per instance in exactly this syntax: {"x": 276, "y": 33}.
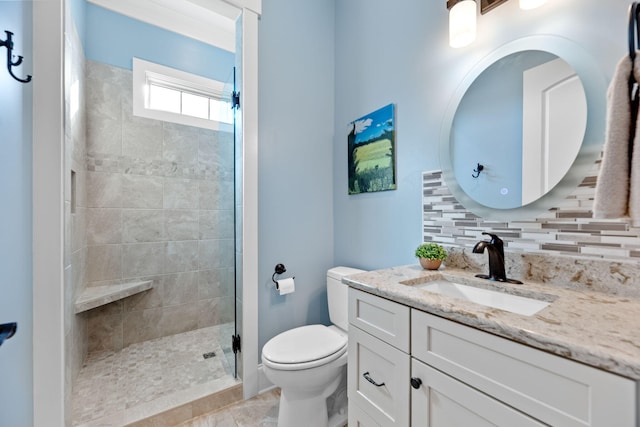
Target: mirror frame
{"x": 595, "y": 88}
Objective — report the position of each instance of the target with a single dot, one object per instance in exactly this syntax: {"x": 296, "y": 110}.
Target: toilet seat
{"x": 304, "y": 348}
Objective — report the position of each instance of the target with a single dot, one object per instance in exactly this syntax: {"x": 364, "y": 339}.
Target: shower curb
{"x": 196, "y": 408}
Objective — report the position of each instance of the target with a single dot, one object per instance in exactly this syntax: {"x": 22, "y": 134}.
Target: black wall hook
{"x": 477, "y": 170}
{"x": 8, "y": 43}
{"x": 7, "y": 330}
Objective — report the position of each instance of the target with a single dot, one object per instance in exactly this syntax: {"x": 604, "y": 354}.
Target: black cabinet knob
{"x": 416, "y": 382}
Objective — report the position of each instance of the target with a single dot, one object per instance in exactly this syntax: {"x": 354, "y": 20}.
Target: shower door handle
{"x": 7, "y": 330}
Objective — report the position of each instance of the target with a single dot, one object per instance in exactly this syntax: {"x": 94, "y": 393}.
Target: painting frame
{"x": 371, "y": 152}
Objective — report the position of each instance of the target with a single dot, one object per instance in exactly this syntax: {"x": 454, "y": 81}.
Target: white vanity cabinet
{"x": 454, "y": 375}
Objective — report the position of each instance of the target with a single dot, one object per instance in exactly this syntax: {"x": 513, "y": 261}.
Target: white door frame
{"x": 249, "y": 107}
{"x": 49, "y": 368}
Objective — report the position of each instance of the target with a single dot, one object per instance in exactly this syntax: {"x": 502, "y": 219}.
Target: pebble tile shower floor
{"x": 146, "y": 377}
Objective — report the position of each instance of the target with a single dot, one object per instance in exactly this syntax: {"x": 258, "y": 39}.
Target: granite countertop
{"x": 594, "y": 328}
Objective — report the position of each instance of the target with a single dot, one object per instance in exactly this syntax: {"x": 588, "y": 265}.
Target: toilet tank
{"x": 337, "y": 295}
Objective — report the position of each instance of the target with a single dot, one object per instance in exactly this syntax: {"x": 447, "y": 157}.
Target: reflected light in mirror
{"x": 531, "y": 4}
{"x": 462, "y": 23}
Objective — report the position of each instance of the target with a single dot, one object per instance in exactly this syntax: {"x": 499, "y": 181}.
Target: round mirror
{"x": 524, "y": 128}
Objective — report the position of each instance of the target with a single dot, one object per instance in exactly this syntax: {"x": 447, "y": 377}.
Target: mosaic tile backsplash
{"x": 564, "y": 246}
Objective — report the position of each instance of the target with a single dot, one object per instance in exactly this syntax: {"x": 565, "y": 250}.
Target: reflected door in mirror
{"x": 554, "y": 120}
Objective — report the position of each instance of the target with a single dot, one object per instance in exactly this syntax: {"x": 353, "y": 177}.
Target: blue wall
{"x": 115, "y": 39}
{"x": 78, "y": 13}
{"x": 16, "y": 286}
{"x": 397, "y": 51}
{"x": 296, "y": 80}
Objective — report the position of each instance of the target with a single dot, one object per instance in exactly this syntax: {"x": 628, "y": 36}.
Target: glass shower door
{"x": 230, "y": 106}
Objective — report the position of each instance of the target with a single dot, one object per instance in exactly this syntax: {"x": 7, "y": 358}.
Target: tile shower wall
{"x": 75, "y": 203}
{"x": 564, "y": 245}
{"x": 159, "y": 207}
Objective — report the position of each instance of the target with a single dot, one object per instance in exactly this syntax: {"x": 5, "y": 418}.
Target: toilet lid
{"x": 304, "y": 344}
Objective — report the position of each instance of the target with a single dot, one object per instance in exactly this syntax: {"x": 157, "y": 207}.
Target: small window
{"x": 164, "y": 99}
{"x": 167, "y": 94}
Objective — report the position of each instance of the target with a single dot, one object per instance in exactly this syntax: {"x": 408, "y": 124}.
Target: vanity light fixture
{"x": 531, "y": 4}
{"x": 462, "y": 22}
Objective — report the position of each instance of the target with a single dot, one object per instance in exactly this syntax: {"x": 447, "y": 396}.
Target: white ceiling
{"x": 209, "y": 21}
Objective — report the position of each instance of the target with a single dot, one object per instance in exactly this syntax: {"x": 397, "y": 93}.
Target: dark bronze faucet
{"x": 495, "y": 248}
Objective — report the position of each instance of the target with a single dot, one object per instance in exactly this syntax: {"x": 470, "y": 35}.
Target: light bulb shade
{"x": 462, "y": 23}
{"x": 531, "y": 4}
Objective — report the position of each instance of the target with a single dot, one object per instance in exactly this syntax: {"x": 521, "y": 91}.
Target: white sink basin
{"x": 503, "y": 301}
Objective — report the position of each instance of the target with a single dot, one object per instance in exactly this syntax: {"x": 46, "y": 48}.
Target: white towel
{"x": 613, "y": 197}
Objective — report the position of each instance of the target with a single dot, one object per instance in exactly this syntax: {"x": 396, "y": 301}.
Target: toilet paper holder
{"x": 279, "y": 269}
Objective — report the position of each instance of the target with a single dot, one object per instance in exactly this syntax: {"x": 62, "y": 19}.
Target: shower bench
{"x": 96, "y": 296}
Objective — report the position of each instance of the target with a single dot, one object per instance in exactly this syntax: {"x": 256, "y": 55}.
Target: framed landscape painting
{"x": 371, "y": 152}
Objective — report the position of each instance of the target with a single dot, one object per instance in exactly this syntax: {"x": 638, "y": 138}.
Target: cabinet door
{"x": 378, "y": 379}
{"x": 442, "y": 401}
{"x": 557, "y": 391}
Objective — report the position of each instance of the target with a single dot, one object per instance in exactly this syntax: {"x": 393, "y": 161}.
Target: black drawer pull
{"x": 371, "y": 380}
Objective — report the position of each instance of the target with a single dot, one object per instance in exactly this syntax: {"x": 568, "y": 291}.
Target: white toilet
{"x": 309, "y": 363}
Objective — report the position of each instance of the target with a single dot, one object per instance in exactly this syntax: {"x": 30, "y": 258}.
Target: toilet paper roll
{"x": 285, "y": 286}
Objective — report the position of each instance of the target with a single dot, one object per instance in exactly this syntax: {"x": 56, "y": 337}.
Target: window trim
{"x": 145, "y": 72}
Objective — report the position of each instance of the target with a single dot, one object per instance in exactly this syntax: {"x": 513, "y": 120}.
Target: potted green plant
{"x": 430, "y": 255}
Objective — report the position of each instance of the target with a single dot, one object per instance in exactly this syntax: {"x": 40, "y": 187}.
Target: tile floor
{"x": 117, "y": 388}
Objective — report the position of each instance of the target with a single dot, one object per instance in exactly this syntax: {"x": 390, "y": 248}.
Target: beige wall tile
{"x": 142, "y": 259}
{"x": 104, "y": 135}
{"x": 181, "y": 224}
{"x": 179, "y": 318}
{"x": 104, "y": 325}
{"x": 142, "y": 139}
{"x": 215, "y": 254}
{"x": 104, "y": 262}
{"x": 181, "y": 256}
{"x": 215, "y": 311}
{"x": 180, "y": 194}
{"x": 180, "y": 288}
{"x": 142, "y": 225}
{"x": 215, "y": 283}
{"x": 140, "y": 191}
{"x": 141, "y": 325}
{"x": 104, "y": 190}
{"x": 104, "y": 225}
{"x": 216, "y": 224}
{"x": 180, "y": 144}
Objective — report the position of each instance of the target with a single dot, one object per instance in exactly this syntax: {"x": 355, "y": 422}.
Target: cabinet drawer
{"x": 441, "y": 401}
{"x": 359, "y": 418}
{"x": 555, "y": 390}
{"x": 382, "y": 318}
{"x": 388, "y": 402}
